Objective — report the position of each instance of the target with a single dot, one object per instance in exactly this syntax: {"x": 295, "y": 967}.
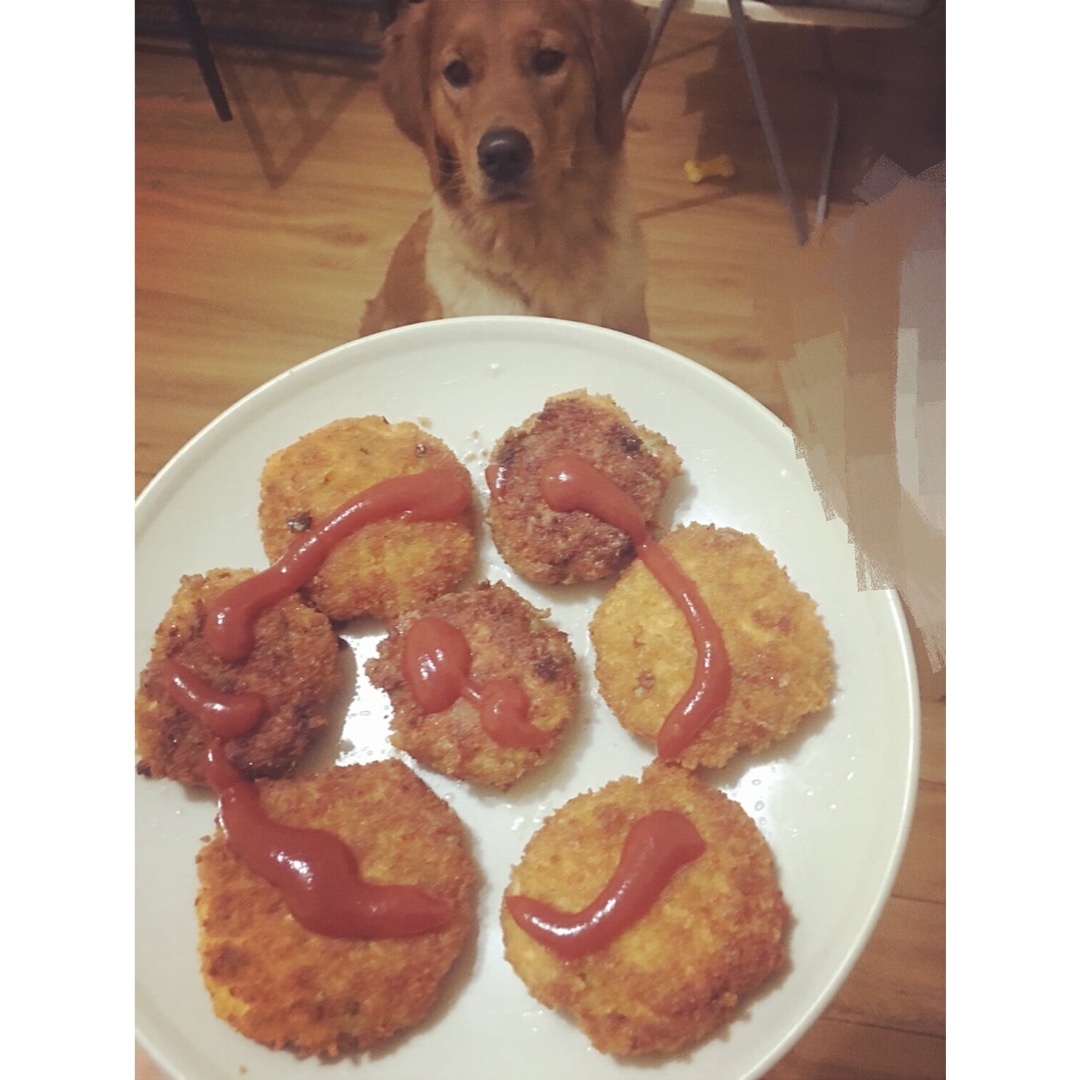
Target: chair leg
{"x": 200, "y": 47}
{"x": 757, "y": 91}
{"x": 656, "y": 29}
{"x": 833, "y": 134}
{"x": 761, "y": 106}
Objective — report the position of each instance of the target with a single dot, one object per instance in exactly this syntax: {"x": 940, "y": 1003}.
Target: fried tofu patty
{"x": 716, "y": 933}
{"x": 563, "y": 547}
{"x": 779, "y": 650}
{"x": 287, "y": 987}
{"x": 387, "y": 567}
{"x": 508, "y": 638}
{"x": 294, "y": 667}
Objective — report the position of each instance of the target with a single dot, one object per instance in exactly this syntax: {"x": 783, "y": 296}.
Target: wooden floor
{"x": 258, "y": 242}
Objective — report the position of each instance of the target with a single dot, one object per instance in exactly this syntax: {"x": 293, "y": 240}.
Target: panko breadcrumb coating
{"x": 286, "y": 987}
{"x": 716, "y": 933}
{"x": 508, "y": 638}
{"x": 387, "y": 567}
{"x": 780, "y": 654}
{"x": 563, "y": 547}
{"x": 294, "y": 666}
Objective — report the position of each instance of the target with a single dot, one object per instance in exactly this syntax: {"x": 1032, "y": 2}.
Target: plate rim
{"x": 171, "y": 475}
{"x": 487, "y": 324}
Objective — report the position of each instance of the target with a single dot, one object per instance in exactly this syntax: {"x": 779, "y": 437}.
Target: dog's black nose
{"x": 504, "y": 154}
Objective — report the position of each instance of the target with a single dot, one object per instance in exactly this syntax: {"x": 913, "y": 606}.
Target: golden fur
{"x": 517, "y": 105}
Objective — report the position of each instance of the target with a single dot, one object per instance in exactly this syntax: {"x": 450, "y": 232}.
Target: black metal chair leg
{"x": 656, "y": 29}
{"x": 200, "y": 47}
{"x": 757, "y": 91}
{"x": 832, "y": 136}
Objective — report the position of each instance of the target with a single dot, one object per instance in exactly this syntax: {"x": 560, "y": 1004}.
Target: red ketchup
{"x": 316, "y": 870}
{"x": 569, "y": 482}
{"x": 656, "y": 846}
{"x": 431, "y": 495}
{"x": 436, "y": 664}
{"x": 227, "y": 715}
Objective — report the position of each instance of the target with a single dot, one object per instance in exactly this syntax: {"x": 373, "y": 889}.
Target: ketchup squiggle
{"x": 655, "y": 847}
{"x": 431, "y": 495}
{"x": 569, "y": 482}
{"x": 227, "y": 715}
{"x": 436, "y": 661}
{"x": 316, "y": 870}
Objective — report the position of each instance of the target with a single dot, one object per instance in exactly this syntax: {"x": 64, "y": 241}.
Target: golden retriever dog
{"x": 517, "y": 105}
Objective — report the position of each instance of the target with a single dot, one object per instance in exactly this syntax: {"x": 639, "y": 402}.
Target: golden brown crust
{"x": 293, "y": 666}
{"x": 555, "y": 547}
{"x": 509, "y": 638}
{"x": 717, "y": 933}
{"x": 388, "y": 566}
{"x": 286, "y": 987}
{"x": 780, "y": 654}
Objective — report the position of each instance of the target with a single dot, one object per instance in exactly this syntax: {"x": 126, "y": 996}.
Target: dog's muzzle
{"x": 504, "y": 156}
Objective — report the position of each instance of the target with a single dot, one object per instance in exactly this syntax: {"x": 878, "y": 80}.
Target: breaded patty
{"x": 286, "y": 987}
{"x": 508, "y": 638}
{"x": 294, "y": 667}
{"x": 387, "y": 567}
{"x": 562, "y": 547}
{"x": 780, "y": 654}
{"x": 716, "y": 932}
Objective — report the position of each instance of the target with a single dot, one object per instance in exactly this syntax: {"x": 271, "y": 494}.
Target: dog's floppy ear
{"x": 404, "y": 69}
{"x": 618, "y": 36}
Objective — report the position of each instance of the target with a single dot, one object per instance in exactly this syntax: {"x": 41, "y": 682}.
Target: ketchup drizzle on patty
{"x": 436, "y": 661}
{"x": 569, "y": 482}
{"x": 316, "y": 870}
{"x": 431, "y": 495}
{"x": 655, "y": 847}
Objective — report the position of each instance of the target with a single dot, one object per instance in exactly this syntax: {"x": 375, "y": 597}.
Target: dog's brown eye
{"x": 457, "y": 73}
{"x": 547, "y": 61}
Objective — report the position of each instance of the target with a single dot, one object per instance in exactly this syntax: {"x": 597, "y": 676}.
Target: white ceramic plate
{"x": 834, "y": 801}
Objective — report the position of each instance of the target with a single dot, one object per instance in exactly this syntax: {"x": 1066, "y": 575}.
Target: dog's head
{"x": 506, "y": 96}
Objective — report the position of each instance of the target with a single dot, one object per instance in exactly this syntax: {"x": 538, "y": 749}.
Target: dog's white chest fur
{"x": 579, "y": 267}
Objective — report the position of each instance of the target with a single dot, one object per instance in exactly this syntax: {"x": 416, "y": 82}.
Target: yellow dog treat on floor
{"x": 721, "y": 166}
